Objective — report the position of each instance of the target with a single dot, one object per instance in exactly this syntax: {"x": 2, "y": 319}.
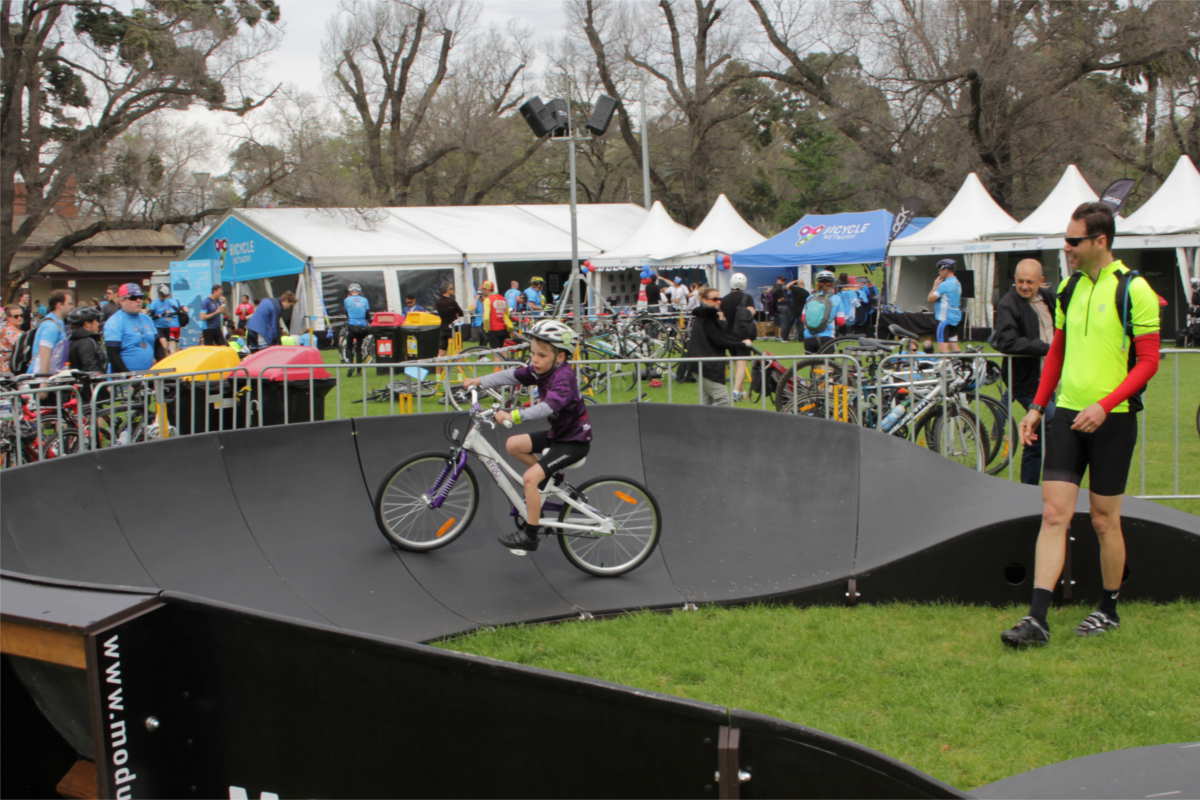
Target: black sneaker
{"x": 1026, "y": 633}
{"x": 1096, "y": 623}
{"x": 522, "y": 541}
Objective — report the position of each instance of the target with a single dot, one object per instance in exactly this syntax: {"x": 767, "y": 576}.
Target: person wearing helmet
{"x": 559, "y": 401}
{"x": 737, "y": 308}
{"x": 678, "y": 294}
{"x": 819, "y": 319}
{"x": 86, "y": 352}
{"x": 535, "y": 301}
{"x": 165, "y": 313}
{"x": 129, "y": 335}
{"x": 357, "y": 308}
{"x": 947, "y": 295}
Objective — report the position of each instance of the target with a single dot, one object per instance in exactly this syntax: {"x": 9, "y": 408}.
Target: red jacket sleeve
{"x": 1146, "y": 348}
{"x": 1051, "y": 368}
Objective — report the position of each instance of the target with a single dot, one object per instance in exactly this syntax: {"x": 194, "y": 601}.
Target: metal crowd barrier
{"x": 52, "y": 420}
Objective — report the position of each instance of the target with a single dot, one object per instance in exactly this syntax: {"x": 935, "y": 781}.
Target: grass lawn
{"x": 1159, "y": 468}
{"x": 930, "y": 685}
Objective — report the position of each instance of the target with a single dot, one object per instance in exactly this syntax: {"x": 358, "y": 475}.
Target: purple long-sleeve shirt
{"x": 558, "y": 400}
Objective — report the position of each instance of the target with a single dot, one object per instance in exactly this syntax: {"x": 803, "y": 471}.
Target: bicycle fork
{"x": 440, "y": 490}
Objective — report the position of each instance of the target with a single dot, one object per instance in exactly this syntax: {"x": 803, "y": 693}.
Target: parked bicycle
{"x": 606, "y": 526}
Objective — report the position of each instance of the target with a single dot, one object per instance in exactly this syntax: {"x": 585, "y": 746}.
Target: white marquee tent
{"x": 971, "y": 215}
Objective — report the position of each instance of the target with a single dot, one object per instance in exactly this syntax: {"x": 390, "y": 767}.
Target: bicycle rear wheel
{"x": 404, "y": 515}
{"x": 957, "y": 435}
{"x": 637, "y": 522}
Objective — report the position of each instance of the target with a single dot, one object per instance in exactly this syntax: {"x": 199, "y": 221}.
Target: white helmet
{"x": 354, "y": 287}
{"x": 737, "y": 281}
{"x": 555, "y": 334}
{"x": 825, "y": 275}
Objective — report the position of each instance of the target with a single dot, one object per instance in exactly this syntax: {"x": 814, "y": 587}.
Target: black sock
{"x": 1108, "y": 603}
{"x": 1040, "y": 605}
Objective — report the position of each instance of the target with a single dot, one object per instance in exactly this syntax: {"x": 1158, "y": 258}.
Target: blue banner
{"x": 825, "y": 239}
{"x": 248, "y": 253}
{"x": 191, "y": 282}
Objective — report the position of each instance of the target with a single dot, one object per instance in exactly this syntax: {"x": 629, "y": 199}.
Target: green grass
{"x": 930, "y": 685}
{"x": 1166, "y": 471}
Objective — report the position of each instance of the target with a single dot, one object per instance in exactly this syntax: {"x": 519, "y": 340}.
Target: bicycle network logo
{"x": 807, "y": 233}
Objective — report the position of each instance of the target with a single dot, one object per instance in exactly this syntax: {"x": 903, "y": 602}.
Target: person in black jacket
{"x": 710, "y": 338}
{"x": 86, "y": 352}
{"x": 1024, "y": 327}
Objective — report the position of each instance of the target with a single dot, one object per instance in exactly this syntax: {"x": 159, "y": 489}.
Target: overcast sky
{"x": 298, "y": 59}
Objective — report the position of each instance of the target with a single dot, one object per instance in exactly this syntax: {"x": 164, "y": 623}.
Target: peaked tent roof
{"x": 723, "y": 230}
{"x": 850, "y": 238}
{"x": 1174, "y": 208}
{"x": 1051, "y": 217}
{"x": 971, "y": 215}
{"x": 657, "y": 237}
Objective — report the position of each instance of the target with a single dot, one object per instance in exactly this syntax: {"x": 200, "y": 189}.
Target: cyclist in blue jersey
{"x": 165, "y": 313}
{"x": 50, "y": 342}
{"x": 357, "y": 307}
{"x": 947, "y": 297}
{"x": 534, "y": 299}
{"x": 129, "y": 335}
{"x": 559, "y": 402}
{"x": 818, "y": 320}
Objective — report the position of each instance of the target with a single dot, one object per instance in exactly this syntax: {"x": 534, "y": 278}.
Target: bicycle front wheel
{"x": 636, "y": 520}
{"x": 402, "y": 503}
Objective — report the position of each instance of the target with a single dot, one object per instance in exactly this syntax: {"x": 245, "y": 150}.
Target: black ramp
{"x": 301, "y": 493}
{"x": 59, "y": 522}
{"x": 474, "y": 576}
{"x": 913, "y": 498}
{"x": 174, "y": 502}
{"x": 616, "y": 450}
{"x": 761, "y": 504}
{"x": 1165, "y": 771}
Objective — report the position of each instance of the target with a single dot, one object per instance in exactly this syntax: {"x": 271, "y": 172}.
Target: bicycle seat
{"x": 898, "y": 331}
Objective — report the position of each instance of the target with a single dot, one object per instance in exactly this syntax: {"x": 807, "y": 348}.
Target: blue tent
{"x": 827, "y": 239}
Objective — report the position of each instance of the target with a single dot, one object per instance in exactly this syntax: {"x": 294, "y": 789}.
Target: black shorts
{"x": 558, "y": 455}
{"x": 212, "y": 337}
{"x": 495, "y": 338}
{"x": 740, "y": 350}
{"x": 444, "y": 339}
{"x": 1106, "y": 453}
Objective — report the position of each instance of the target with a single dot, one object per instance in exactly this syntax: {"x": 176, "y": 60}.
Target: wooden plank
{"x": 43, "y": 644}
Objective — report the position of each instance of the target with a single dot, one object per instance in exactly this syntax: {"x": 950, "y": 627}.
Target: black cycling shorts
{"x": 558, "y": 455}
{"x": 495, "y": 339}
{"x": 1105, "y": 454}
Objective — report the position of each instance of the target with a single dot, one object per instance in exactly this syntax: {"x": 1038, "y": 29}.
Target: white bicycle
{"x": 606, "y": 526}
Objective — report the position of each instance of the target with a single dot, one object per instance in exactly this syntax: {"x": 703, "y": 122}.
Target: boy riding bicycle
{"x": 559, "y": 400}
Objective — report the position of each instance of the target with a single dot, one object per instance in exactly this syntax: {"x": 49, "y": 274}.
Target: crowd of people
{"x": 127, "y": 331}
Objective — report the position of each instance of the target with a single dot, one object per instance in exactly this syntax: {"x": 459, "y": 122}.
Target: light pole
{"x": 554, "y": 118}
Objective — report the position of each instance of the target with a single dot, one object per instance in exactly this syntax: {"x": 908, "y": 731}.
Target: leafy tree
{"x": 77, "y": 74}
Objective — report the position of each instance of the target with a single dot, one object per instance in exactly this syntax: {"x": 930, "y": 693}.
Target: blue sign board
{"x": 191, "y": 282}
{"x": 248, "y": 253}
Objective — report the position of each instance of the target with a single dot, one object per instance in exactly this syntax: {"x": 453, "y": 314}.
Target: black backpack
{"x": 1123, "y": 306}
{"x": 743, "y": 323}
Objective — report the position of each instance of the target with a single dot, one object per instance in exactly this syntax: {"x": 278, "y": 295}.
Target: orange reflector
{"x": 626, "y": 498}
{"x": 447, "y": 525}
{"x": 807, "y": 407}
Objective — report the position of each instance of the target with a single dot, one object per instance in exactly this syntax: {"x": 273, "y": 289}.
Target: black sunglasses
{"x": 1075, "y": 241}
